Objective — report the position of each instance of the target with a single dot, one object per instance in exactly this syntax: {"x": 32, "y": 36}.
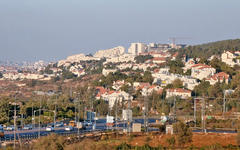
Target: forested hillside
{"x": 209, "y": 49}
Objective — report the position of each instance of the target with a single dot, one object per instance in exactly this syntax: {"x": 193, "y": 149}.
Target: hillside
{"x": 209, "y": 49}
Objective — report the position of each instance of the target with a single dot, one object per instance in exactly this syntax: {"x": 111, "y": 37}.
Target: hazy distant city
{"x": 123, "y": 75}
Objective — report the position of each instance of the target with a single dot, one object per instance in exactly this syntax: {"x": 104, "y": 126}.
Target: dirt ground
{"x": 198, "y": 140}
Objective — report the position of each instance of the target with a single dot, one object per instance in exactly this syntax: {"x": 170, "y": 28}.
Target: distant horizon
{"x": 126, "y": 49}
{"x": 52, "y": 30}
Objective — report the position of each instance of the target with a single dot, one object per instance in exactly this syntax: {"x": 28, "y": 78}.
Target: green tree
{"x": 147, "y": 77}
{"x": 4, "y": 108}
{"x": 202, "y": 88}
{"x": 176, "y": 66}
{"x": 142, "y": 59}
{"x": 177, "y": 83}
{"x": 67, "y": 74}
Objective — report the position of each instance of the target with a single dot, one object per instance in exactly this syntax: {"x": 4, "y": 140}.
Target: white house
{"x": 183, "y": 93}
{"x": 201, "y": 71}
{"x": 230, "y": 58}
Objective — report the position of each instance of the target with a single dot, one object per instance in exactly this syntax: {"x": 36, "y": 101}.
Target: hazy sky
{"x": 55, "y": 29}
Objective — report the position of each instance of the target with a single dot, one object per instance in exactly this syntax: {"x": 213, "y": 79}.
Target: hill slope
{"x": 209, "y": 49}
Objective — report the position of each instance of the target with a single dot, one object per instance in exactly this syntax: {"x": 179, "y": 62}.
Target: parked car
{"x": 68, "y": 128}
{"x": 27, "y": 127}
{"x": 10, "y": 128}
{"x": 59, "y": 124}
{"x": 49, "y": 128}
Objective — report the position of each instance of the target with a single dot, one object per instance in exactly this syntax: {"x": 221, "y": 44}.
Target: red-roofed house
{"x": 201, "y": 71}
{"x": 159, "y": 60}
{"x": 219, "y": 77}
{"x": 183, "y": 93}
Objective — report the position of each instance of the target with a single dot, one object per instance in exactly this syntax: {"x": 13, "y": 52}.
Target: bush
{"x": 51, "y": 142}
{"x": 183, "y": 133}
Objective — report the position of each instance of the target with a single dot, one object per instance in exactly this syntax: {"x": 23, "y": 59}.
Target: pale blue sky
{"x": 54, "y": 29}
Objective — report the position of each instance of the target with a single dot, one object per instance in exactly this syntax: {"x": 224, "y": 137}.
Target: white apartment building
{"x": 201, "y": 71}
{"x": 110, "y": 53}
{"x": 137, "y": 48}
{"x": 182, "y": 93}
{"x": 115, "y": 97}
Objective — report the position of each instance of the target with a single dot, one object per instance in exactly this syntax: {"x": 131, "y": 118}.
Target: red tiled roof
{"x": 220, "y": 76}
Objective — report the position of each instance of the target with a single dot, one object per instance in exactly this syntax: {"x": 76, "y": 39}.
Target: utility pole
{"x": 145, "y": 114}
{"x": 224, "y": 102}
{"x": 195, "y": 108}
{"x": 39, "y": 122}
{"x": 75, "y": 111}
{"x": 116, "y": 112}
{"x": 32, "y": 113}
{"x": 15, "y": 116}
{"x": 129, "y": 112}
{"x": 203, "y": 116}
{"x": 78, "y": 112}
{"x": 174, "y": 111}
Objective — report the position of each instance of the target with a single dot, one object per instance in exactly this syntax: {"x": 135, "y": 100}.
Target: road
{"x": 100, "y": 126}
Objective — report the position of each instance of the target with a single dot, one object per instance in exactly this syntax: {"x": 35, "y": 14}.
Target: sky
{"x": 51, "y": 30}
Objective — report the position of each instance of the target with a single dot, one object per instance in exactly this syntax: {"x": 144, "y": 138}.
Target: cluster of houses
{"x": 22, "y": 76}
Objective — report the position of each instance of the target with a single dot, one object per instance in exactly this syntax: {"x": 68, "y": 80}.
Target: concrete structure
{"x": 136, "y": 127}
{"x": 169, "y": 129}
{"x": 137, "y": 48}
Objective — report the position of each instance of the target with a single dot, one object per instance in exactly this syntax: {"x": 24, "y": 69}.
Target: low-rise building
{"x": 201, "y": 71}
{"x": 219, "y": 77}
{"x": 182, "y": 93}
{"x": 231, "y": 58}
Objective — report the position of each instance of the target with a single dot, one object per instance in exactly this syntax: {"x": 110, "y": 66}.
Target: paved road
{"x": 100, "y": 126}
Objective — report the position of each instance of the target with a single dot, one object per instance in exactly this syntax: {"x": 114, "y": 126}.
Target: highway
{"x": 100, "y": 126}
